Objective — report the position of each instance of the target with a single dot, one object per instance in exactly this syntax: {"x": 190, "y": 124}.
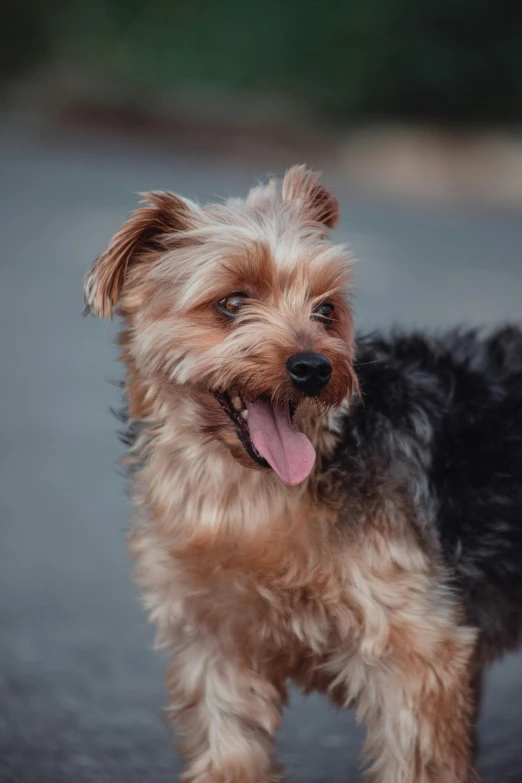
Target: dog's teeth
{"x": 244, "y": 414}
{"x": 236, "y": 402}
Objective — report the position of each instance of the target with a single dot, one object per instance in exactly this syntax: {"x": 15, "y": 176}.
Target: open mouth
{"x": 267, "y": 434}
{"x": 235, "y": 408}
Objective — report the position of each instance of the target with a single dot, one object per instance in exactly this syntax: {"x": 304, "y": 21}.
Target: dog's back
{"x": 444, "y": 416}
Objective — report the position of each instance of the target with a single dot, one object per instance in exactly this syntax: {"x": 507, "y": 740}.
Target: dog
{"x": 342, "y": 514}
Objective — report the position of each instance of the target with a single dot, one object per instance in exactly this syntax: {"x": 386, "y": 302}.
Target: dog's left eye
{"x": 231, "y": 305}
{"x": 324, "y": 313}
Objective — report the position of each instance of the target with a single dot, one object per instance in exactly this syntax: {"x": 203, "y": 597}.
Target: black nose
{"x": 310, "y": 372}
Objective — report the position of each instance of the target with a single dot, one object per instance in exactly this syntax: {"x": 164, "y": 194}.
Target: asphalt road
{"x": 80, "y": 690}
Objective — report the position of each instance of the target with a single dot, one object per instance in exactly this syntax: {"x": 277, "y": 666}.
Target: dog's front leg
{"x": 407, "y": 670}
{"x": 418, "y": 715}
{"x": 224, "y": 713}
{"x": 415, "y": 700}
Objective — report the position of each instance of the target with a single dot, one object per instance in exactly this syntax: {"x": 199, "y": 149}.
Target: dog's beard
{"x": 265, "y": 429}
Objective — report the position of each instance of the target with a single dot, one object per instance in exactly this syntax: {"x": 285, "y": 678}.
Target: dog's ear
{"x": 316, "y": 202}
{"x": 147, "y": 230}
{"x": 264, "y": 194}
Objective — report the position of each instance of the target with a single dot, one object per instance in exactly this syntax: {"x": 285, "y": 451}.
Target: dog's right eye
{"x": 231, "y": 305}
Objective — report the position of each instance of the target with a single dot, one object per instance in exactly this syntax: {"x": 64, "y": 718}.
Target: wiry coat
{"x": 444, "y": 416}
{"x": 372, "y": 579}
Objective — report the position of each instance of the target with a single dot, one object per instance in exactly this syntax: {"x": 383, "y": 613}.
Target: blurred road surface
{"x": 80, "y": 690}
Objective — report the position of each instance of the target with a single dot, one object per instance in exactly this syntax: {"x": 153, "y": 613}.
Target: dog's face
{"x": 243, "y": 306}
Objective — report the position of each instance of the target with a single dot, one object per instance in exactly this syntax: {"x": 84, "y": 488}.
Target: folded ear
{"x": 147, "y": 230}
{"x": 316, "y": 202}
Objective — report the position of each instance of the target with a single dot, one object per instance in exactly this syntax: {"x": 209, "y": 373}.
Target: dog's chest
{"x": 280, "y": 589}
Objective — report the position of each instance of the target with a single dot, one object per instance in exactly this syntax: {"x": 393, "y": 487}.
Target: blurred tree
{"x": 452, "y": 60}
{"x": 25, "y": 37}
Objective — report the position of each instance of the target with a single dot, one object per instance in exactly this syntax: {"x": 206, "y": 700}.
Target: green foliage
{"x": 349, "y": 59}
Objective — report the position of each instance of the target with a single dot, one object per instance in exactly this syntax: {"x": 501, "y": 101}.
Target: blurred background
{"x": 413, "y": 111}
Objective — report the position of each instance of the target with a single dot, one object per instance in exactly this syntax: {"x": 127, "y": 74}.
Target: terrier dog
{"x": 349, "y": 522}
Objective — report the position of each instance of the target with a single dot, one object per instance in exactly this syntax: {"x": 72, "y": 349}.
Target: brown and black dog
{"x": 302, "y": 512}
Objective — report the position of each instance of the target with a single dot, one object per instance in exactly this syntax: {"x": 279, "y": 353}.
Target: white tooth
{"x": 244, "y": 413}
{"x": 236, "y": 402}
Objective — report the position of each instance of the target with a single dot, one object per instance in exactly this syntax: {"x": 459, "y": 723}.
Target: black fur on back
{"x": 445, "y": 416}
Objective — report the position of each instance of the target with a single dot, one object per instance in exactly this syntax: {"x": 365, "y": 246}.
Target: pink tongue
{"x": 286, "y": 450}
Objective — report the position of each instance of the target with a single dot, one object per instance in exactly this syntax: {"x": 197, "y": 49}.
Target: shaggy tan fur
{"x": 250, "y": 582}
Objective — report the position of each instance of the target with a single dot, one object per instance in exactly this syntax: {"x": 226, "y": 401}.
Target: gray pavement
{"x": 80, "y": 690}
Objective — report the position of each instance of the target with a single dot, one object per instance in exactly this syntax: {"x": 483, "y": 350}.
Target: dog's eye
{"x": 231, "y": 305}
{"x": 324, "y": 313}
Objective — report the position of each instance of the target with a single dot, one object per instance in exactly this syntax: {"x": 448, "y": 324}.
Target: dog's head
{"x": 243, "y": 306}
